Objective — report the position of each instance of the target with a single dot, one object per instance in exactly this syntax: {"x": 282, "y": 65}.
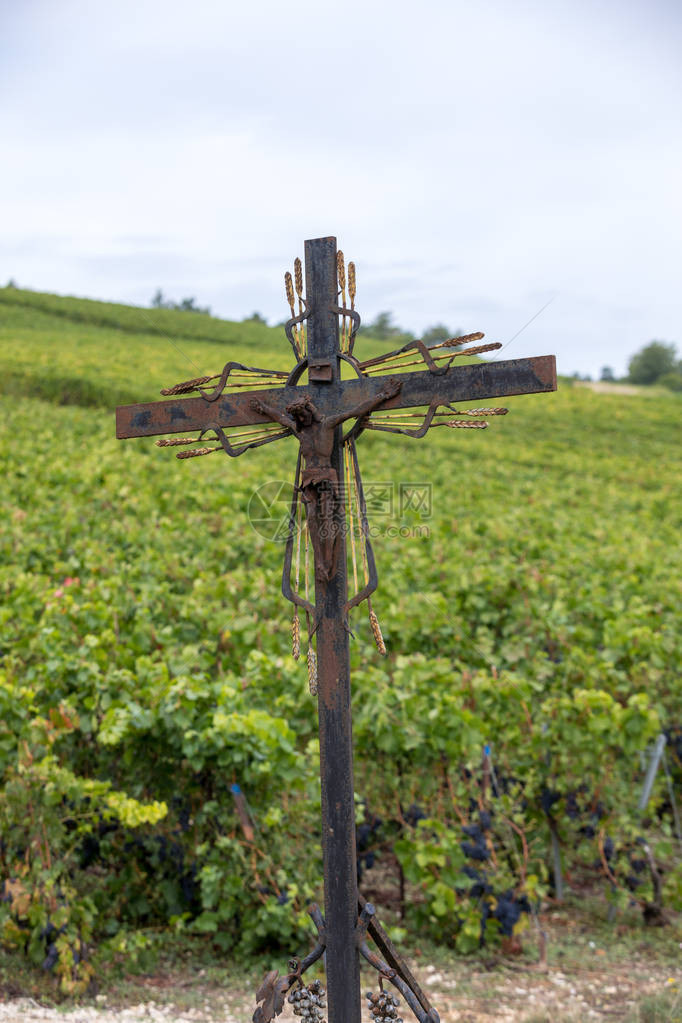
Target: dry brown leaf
{"x": 19, "y": 897}
{"x": 271, "y": 993}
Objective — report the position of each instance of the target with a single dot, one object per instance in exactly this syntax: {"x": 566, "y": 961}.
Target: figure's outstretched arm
{"x": 364, "y": 408}
{"x": 273, "y": 413}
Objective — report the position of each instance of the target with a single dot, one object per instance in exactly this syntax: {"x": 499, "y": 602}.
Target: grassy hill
{"x": 144, "y": 646}
{"x": 190, "y": 326}
{"x": 77, "y": 351}
{"x": 74, "y": 351}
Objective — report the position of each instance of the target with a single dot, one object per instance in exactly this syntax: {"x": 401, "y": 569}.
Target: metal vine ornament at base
{"x": 310, "y": 1001}
{"x": 329, "y": 563}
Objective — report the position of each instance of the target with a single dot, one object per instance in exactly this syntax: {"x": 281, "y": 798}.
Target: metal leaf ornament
{"x": 271, "y": 994}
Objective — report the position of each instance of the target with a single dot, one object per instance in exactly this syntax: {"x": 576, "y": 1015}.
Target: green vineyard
{"x": 530, "y": 604}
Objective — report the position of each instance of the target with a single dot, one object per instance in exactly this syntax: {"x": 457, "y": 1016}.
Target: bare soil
{"x": 480, "y": 996}
{"x": 593, "y": 970}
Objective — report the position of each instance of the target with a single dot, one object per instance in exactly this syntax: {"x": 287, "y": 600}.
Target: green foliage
{"x": 144, "y": 665}
{"x": 187, "y": 305}
{"x": 673, "y": 381}
{"x": 46, "y": 812}
{"x": 383, "y": 328}
{"x": 439, "y": 332}
{"x": 655, "y": 360}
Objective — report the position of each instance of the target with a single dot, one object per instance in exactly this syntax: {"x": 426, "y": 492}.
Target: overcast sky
{"x": 476, "y": 160}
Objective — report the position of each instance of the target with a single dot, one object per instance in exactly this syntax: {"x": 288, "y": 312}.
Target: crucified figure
{"x": 319, "y": 486}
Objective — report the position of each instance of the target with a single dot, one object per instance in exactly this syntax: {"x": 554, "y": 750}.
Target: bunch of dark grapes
{"x": 508, "y": 910}
{"x": 674, "y": 737}
{"x": 366, "y": 835}
{"x": 309, "y": 1001}
{"x": 478, "y": 849}
{"x": 414, "y": 814}
{"x": 383, "y": 1007}
{"x": 572, "y": 807}
{"x": 49, "y": 934}
{"x": 548, "y": 797}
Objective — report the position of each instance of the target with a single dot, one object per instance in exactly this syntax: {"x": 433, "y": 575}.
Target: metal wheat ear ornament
{"x": 323, "y": 414}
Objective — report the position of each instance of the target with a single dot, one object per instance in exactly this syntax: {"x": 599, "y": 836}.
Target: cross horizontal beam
{"x": 476, "y": 382}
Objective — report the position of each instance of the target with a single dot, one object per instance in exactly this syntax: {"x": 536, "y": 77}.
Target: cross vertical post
{"x": 333, "y": 657}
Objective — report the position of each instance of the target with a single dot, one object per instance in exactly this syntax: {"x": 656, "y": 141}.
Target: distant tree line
{"x": 189, "y": 305}
{"x": 186, "y": 305}
{"x": 655, "y": 363}
{"x": 383, "y": 328}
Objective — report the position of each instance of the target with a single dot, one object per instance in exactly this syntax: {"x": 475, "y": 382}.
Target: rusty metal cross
{"x": 245, "y": 407}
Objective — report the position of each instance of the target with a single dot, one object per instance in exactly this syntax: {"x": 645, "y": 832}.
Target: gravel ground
{"x": 504, "y": 993}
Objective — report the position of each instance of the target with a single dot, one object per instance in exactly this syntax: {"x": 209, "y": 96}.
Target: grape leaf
{"x": 271, "y": 993}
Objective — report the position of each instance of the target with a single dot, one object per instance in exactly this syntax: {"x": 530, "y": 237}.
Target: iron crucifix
{"x": 319, "y": 486}
{"x": 245, "y": 407}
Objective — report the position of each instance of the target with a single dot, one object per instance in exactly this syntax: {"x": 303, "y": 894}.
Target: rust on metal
{"x": 476, "y": 382}
{"x": 333, "y": 666}
{"x": 320, "y": 371}
{"x": 419, "y": 1004}
{"x": 393, "y": 957}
